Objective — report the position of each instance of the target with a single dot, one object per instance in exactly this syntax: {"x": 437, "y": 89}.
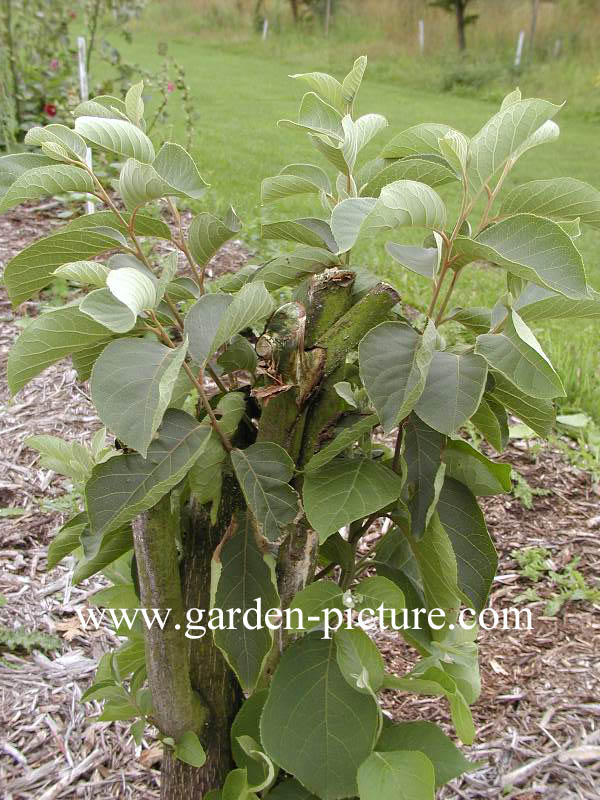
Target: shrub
{"x": 257, "y": 443}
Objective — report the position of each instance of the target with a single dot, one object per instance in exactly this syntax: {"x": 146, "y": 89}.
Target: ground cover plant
{"x": 259, "y": 416}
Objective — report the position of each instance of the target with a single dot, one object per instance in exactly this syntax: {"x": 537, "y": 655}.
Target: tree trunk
{"x": 460, "y": 25}
{"x": 210, "y": 675}
{"x": 294, "y": 5}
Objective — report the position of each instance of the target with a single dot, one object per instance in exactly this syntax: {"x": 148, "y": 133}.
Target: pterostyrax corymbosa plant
{"x": 264, "y": 421}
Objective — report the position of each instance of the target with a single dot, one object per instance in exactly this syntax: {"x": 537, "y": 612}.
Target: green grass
{"x": 241, "y": 89}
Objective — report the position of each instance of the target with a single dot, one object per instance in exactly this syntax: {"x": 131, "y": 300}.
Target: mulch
{"x": 538, "y": 718}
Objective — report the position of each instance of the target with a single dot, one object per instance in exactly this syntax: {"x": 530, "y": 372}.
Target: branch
{"x": 176, "y": 707}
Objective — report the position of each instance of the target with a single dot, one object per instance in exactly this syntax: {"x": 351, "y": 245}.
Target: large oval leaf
{"x": 132, "y": 383}
{"x": 559, "y": 198}
{"x": 532, "y": 248}
{"x": 116, "y": 136}
{"x": 245, "y": 576}
{"x": 394, "y": 360}
{"x": 314, "y": 724}
{"x": 45, "y": 181}
{"x": 264, "y": 470}
{"x": 345, "y": 490}
{"x": 452, "y": 391}
{"x": 124, "y": 486}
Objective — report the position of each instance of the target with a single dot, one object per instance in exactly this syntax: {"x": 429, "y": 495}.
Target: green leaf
{"x": 202, "y": 322}
{"x": 142, "y": 224}
{"x": 132, "y": 288}
{"x": 439, "y": 570}
{"x": 70, "y": 459}
{"x": 376, "y": 591}
{"x": 14, "y": 165}
{"x": 172, "y": 173}
{"x": 131, "y": 388}
{"x": 104, "y": 308}
{"x": 176, "y": 166}
{"x": 394, "y": 360}
{"x": 246, "y": 575}
{"x": 482, "y": 476}
{"x": 399, "y": 775}
{"x": 452, "y": 391}
{"x": 532, "y": 248}
{"x": 475, "y": 554}
{"x": 359, "y": 660}
{"x": 103, "y": 105}
{"x": 352, "y": 81}
{"x": 533, "y": 411}
{"x": 66, "y": 138}
{"x": 66, "y": 540}
{"x": 33, "y": 268}
{"x": 422, "y": 450}
{"x": 134, "y": 105}
{"x": 188, "y": 748}
{"x": 517, "y": 354}
{"x": 501, "y": 137}
{"x": 49, "y": 338}
{"x": 102, "y": 550}
{"x": 295, "y": 179}
{"x": 316, "y": 116}
{"x": 455, "y": 146}
{"x": 251, "y": 305}
{"x": 239, "y": 355}
{"x": 557, "y": 198}
{"x": 434, "y": 681}
{"x": 346, "y": 490}
{"x": 290, "y": 789}
{"x": 342, "y": 442}
{"x": 425, "y": 737}
{"x": 310, "y": 230}
{"x": 45, "y": 181}
{"x": 84, "y": 273}
{"x": 116, "y": 136}
{"x": 424, "y": 170}
{"x": 328, "y": 88}
{"x": 536, "y": 303}
{"x": 205, "y": 476}
{"x": 491, "y": 421}
{"x": 400, "y": 204}
{"x": 264, "y": 470}
{"x": 207, "y": 234}
{"x": 329, "y": 727}
{"x": 414, "y": 141}
{"x": 291, "y": 268}
{"x": 124, "y": 486}
{"x": 347, "y": 219}
{"x": 312, "y": 601}
{"x": 247, "y": 723}
{"x": 423, "y": 261}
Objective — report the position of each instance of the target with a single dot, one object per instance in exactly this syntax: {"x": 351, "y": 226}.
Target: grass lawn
{"x": 241, "y": 92}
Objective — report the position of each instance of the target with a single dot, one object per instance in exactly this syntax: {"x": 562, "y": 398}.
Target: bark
{"x": 209, "y": 673}
{"x": 460, "y": 24}
{"x": 176, "y": 707}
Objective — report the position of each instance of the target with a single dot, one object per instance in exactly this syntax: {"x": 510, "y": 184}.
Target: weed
{"x": 525, "y": 493}
{"x": 15, "y": 639}
{"x": 568, "y": 584}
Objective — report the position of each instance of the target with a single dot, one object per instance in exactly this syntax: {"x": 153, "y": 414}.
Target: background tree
{"x": 264, "y": 421}
{"x": 459, "y": 9}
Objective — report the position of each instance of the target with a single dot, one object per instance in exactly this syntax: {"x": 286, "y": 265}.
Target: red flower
{"x": 50, "y": 109}
{"x": 170, "y": 86}
{"x": 54, "y": 64}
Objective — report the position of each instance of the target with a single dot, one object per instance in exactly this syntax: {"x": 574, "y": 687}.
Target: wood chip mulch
{"x": 538, "y": 718}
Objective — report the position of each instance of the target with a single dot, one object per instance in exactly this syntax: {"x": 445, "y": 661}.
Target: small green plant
{"x": 21, "y": 639}
{"x": 247, "y": 413}
{"x": 535, "y": 564}
{"x": 523, "y": 492}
